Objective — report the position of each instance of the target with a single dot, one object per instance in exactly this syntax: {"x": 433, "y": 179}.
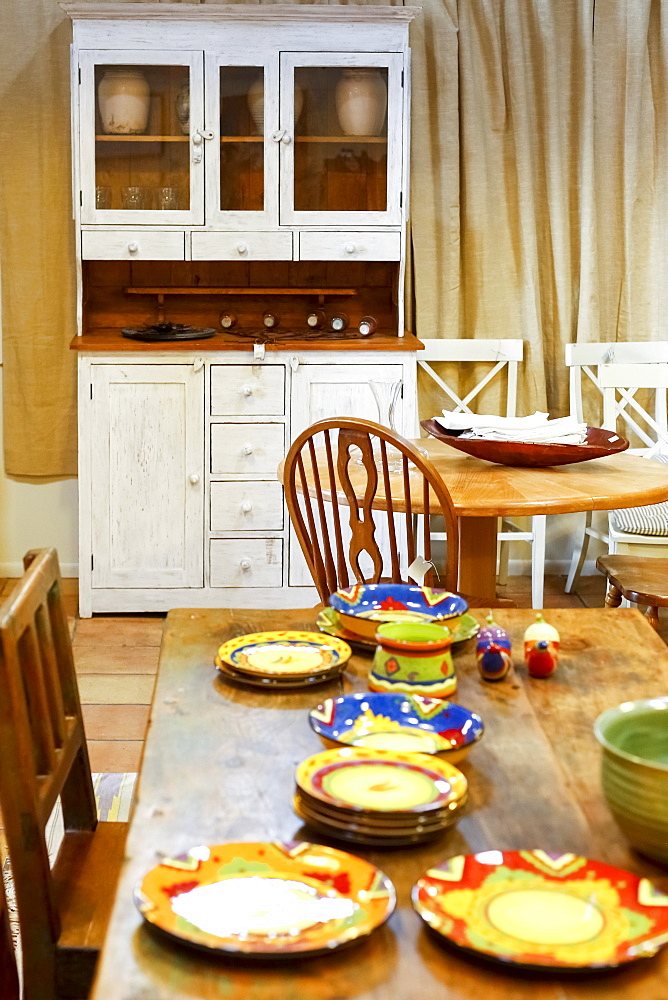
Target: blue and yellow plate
{"x": 366, "y": 605}
{"x": 398, "y": 722}
{"x": 285, "y": 654}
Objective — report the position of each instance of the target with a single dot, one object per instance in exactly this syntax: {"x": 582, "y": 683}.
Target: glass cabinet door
{"x": 142, "y": 138}
{"x": 242, "y": 159}
{"x": 341, "y": 124}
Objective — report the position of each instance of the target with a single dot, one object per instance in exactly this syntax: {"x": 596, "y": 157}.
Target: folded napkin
{"x": 536, "y": 428}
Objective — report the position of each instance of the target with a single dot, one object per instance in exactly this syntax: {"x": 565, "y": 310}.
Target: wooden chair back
{"x": 9, "y": 980}
{"x": 45, "y": 759}
{"x": 354, "y": 489}
{"x": 585, "y": 360}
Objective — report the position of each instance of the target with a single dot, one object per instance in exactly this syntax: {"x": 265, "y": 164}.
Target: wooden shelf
{"x": 142, "y": 138}
{"x": 331, "y": 139}
{"x": 229, "y": 290}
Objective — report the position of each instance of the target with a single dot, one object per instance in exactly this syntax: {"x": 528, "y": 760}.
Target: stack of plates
{"x": 282, "y": 659}
{"x": 378, "y": 797}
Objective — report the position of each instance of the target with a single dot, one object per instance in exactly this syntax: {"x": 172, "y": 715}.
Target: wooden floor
{"x": 116, "y": 658}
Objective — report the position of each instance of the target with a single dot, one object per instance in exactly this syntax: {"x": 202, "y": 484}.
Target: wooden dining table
{"x": 219, "y": 765}
{"x": 484, "y": 491}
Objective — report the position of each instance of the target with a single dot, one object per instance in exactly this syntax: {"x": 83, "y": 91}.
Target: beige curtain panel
{"x": 538, "y": 205}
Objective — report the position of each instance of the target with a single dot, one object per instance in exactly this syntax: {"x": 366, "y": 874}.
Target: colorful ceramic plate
{"x": 536, "y": 909}
{"x": 329, "y": 623}
{"x": 365, "y": 605}
{"x": 284, "y": 654}
{"x": 266, "y": 899}
{"x": 598, "y": 444}
{"x": 380, "y": 780}
{"x": 398, "y": 722}
{"x": 273, "y": 683}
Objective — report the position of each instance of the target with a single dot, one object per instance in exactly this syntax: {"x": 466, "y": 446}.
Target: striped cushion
{"x": 650, "y": 520}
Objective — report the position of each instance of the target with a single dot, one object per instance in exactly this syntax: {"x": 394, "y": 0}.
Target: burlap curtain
{"x": 539, "y": 194}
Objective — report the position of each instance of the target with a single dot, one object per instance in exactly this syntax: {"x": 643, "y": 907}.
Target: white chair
{"x": 618, "y": 372}
{"x": 499, "y": 357}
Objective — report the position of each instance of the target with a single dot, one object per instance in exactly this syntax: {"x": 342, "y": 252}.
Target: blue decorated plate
{"x": 383, "y": 721}
{"x": 366, "y": 605}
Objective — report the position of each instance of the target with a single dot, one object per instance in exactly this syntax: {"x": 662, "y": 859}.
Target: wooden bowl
{"x": 599, "y": 443}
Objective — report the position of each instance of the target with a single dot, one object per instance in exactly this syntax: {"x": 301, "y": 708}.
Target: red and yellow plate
{"x": 536, "y": 909}
{"x": 266, "y": 899}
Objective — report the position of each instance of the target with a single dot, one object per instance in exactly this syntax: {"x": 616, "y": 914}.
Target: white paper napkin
{"x": 536, "y": 428}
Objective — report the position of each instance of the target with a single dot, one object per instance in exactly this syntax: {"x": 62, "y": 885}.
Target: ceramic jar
{"x": 255, "y": 101}
{"x": 124, "y": 98}
{"x": 413, "y": 659}
{"x": 182, "y": 107}
{"x": 361, "y": 101}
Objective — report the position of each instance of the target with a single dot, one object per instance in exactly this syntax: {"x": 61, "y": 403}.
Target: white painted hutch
{"x": 239, "y": 201}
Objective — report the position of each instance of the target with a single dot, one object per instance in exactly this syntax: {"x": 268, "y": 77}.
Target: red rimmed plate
{"x": 266, "y": 900}
{"x": 541, "y": 910}
{"x": 356, "y": 779}
{"x": 599, "y": 443}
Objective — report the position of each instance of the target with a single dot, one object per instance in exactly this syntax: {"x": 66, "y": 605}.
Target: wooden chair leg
{"x": 613, "y": 598}
{"x": 652, "y": 616}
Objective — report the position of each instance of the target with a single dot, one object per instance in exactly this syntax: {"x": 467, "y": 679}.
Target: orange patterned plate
{"x": 536, "y": 909}
{"x": 266, "y": 900}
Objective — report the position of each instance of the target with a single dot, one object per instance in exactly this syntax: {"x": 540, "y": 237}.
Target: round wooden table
{"x": 482, "y": 492}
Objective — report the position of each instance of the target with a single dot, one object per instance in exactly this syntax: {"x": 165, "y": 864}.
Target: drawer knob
{"x": 245, "y": 564}
{"x": 242, "y": 248}
{"x": 248, "y": 449}
{"x": 133, "y": 247}
{"x": 349, "y": 248}
{"x": 247, "y": 507}
{"x": 194, "y": 478}
{"x": 246, "y": 390}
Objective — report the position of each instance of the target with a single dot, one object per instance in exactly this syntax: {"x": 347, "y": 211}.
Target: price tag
{"x": 258, "y": 352}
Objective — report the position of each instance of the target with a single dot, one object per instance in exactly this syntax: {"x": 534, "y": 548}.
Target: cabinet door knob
{"x": 246, "y": 507}
{"x": 349, "y": 248}
{"x": 246, "y": 390}
{"x": 194, "y": 478}
{"x": 133, "y": 247}
{"x": 248, "y": 449}
{"x": 242, "y": 248}
{"x": 245, "y": 564}
{"x": 286, "y": 139}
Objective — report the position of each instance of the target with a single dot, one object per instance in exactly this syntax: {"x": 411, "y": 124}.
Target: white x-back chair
{"x": 501, "y": 357}
{"x": 619, "y": 372}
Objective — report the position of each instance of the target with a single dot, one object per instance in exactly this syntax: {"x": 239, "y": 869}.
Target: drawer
{"x": 123, "y": 244}
{"x": 246, "y": 562}
{"x": 242, "y": 506}
{"x": 247, "y": 389}
{"x": 247, "y": 449}
{"x": 349, "y": 246}
{"x": 241, "y": 246}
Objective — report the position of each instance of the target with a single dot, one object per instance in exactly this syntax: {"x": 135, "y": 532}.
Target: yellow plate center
{"x": 413, "y": 741}
{"x": 541, "y": 917}
{"x": 376, "y": 786}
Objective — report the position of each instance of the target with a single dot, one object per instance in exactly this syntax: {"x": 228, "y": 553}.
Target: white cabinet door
{"x": 242, "y": 157}
{"x": 141, "y": 136}
{"x": 323, "y": 391}
{"x": 147, "y": 475}
{"x": 341, "y": 138}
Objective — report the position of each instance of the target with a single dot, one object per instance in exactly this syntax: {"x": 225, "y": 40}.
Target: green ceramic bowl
{"x": 413, "y": 659}
{"x": 634, "y": 771}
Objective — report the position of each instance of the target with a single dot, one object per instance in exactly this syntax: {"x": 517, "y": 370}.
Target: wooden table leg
{"x": 477, "y": 556}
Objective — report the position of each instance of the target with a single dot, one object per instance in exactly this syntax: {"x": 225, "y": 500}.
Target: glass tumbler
{"x": 132, "y": 198}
